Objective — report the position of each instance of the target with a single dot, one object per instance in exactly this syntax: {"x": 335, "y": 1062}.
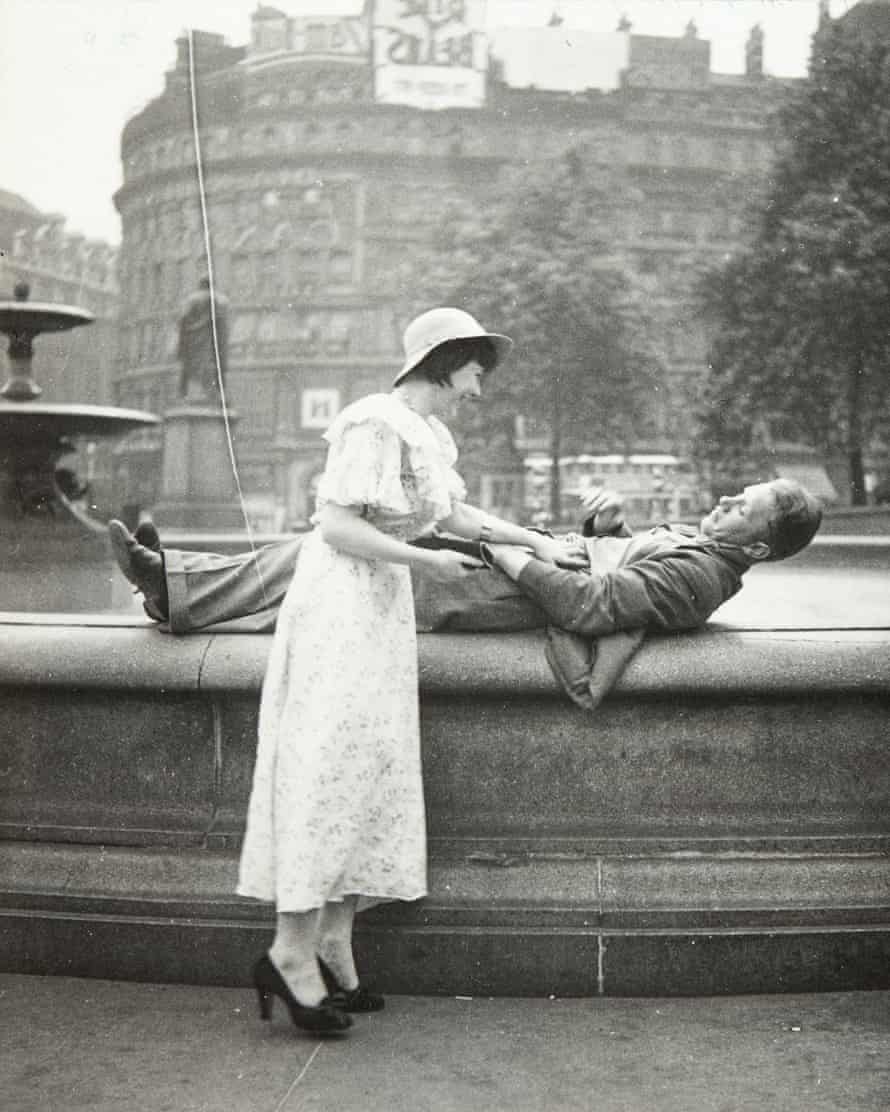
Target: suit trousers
{"x": 242, "y": 593}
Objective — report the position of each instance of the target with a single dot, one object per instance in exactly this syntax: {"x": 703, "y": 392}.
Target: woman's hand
{"x": 444, "y": 565}
{"x": 605, "y": 508}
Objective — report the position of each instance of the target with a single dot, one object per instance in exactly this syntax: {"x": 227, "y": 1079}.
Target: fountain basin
{"x": 41, "y": 316}
{"x": 28, "y": 421}
{"x": 719, "y": 825}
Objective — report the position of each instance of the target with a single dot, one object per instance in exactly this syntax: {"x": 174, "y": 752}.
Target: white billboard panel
{"x": 318, "y": 408}
{"x": 561, "y": 58}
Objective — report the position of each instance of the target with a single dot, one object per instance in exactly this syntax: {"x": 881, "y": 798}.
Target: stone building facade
{"x": 316, "y": 193}
{"x": 60, "y": 265}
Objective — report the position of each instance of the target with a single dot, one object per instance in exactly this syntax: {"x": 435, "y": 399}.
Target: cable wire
{"x": 213, "y": 323}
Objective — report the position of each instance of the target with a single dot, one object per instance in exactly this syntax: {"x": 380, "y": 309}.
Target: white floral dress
{"x": 336, "y": 806}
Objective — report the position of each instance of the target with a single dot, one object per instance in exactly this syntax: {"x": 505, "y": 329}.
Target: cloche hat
{"x": 438, "y": 326}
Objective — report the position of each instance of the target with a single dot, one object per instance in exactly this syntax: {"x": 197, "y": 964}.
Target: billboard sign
{"x": 430, "y": 53}
{"x": 318, "y": 408}
{"x": 330, "y": 37}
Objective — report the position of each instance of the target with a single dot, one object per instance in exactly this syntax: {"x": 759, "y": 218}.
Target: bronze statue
{"x": 197, "y": 353}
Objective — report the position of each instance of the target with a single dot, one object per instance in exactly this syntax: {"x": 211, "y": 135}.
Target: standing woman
{"x": 336, "y": 810}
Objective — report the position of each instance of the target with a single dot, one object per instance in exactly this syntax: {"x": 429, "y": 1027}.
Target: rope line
{"x": 213, "y": 325}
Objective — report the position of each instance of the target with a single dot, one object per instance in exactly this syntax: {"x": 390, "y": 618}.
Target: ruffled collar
{"x": 427, "y": 433}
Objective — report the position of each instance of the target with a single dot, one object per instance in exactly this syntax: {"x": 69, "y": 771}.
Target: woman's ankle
{"x": 339, "y": 960}
{"x": 301, "y": 974}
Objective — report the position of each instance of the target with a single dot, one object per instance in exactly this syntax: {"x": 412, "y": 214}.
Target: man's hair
{"x": 439, "y": 364}
{"x": 797, "y": 516}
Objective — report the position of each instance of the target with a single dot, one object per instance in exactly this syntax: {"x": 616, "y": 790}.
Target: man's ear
{"x": 759, "y": 550}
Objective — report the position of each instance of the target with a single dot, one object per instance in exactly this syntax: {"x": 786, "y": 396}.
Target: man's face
{"x": 742, "y": 519}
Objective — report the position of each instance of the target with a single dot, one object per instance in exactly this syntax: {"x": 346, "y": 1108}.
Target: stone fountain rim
{"x": 71, "y": 313}
{"x": 72, "y": 409}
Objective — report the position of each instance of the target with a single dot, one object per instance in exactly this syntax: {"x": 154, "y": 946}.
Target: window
{"x": 269, "y": 279}
{"x": 341, "y": 266}
{"x": 683, "y": 224}
{"x": 651, "y": 228}
{"x": 720, "y": 153}
{"x": 242, "y": 275}
{"x": 243, "y": 327}
{"x": 501, "y": 495}
{"x": 269, "y": 328}
{"x": 337, "y": 333}
{"x": 184, "y": 277}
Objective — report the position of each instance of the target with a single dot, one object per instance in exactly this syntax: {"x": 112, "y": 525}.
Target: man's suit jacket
{"x": 668, "y": 579}
{"x": 665, "y": 579}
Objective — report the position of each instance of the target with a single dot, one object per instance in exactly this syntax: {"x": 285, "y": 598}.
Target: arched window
{"x": 269, "y": 274}
{"x": 242, "y": 275}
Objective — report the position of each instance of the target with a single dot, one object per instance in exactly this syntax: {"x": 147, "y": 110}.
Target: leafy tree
{"x": 801, "y": 316}
{"x": 535, "y": 263}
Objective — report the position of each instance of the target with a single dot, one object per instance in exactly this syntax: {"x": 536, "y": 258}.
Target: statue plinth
{"x": 198, "y": 488}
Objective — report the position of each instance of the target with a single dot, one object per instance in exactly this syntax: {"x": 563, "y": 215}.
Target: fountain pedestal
{"x": 198, "y": 489}
{"x": 53, "y": 555}
{"x": 50, "y": 567}
{"x": 49, "y": 560}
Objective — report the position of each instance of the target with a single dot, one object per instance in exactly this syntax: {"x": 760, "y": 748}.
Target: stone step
{"x": 521, "y": 924}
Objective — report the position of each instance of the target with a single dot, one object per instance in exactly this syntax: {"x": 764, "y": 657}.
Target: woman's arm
{"x": 344, "y": 529}
{"x": 475, "y": 524}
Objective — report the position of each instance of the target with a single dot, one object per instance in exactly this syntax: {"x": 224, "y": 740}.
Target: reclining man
{"x": 667, "y": 579}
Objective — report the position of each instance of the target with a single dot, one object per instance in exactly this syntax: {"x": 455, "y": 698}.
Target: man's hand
{"x": 510, "y": 558}
{"x": 604, "y": 508}
{"x": 444, "y": 565}
{"x": 567, "y": 553}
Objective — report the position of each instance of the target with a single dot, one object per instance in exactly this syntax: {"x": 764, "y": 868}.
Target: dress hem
{"x": 366, "y": 898}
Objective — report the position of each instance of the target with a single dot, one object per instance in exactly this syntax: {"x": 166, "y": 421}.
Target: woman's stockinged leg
{"x": 293, "y": 952}
{"x": 334, "y": 942}
{"x": 291, "y": 973}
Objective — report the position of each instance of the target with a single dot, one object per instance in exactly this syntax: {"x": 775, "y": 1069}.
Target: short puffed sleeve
{"x": 364, "y": 466}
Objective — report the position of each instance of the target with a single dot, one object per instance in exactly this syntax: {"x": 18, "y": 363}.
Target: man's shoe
{"x": 148, "y": 536}
{"x": 143, "y": 567}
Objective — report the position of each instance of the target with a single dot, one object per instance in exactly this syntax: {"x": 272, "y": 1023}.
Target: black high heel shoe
{"x": 323, "y": 1019}
{"x": 358, "y": 999}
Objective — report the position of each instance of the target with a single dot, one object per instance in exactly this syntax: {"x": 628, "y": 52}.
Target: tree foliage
{"x": 801, "y": 315}
{"x": 536, "y": 263}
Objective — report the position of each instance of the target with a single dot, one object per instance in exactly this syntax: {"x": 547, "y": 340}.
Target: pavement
{"x": 790, "y": 596}
{"x": 69, "y": 1044}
